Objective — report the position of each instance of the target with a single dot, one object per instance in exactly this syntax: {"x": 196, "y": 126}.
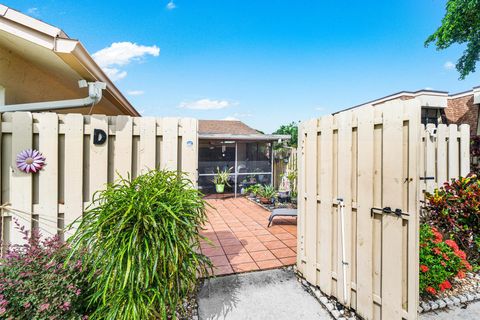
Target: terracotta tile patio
{"x": 241, "y": 240}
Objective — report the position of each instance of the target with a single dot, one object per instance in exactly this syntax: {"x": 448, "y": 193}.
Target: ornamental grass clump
{"x": 440, "y": 261}
{"x": 143, "y": 246}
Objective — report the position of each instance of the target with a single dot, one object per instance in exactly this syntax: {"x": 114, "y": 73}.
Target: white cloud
{"x": 171, "y": 5}
{"x": 243, "y": 115}
{"x": 449, "y": 65}
{"x": 114, "y": 74}
{"x": 135, "y": 92}
{"x": 33, "y": 12}
{"x": 230, "y": 119}
{"x": 205, "y": 104}
{"x": 121, "y": 54}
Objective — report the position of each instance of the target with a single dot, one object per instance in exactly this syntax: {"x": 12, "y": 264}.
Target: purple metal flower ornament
{"x": 30, "y": 160}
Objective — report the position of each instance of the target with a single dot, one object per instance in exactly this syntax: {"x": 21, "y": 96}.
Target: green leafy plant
{"x": 267, "y": 192}
{"x": 222, "y": 177}
{"x": 292, "y": 130}
{"x": 455, "y": 210}
{"x": 35, "y": 283}
{"x": 254, "y": 189}
{"x": 460, "y": 25}
{"x": 440, "y": 261}
{"x": 143, "y": 246}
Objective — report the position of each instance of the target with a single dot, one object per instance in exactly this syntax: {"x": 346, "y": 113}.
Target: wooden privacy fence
{"x": 371, "y": 158}
{"x": 445, "y": 154}
{"x": 76, "y": 167}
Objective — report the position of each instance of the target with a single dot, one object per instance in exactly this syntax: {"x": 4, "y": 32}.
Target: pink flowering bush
{"x": 36, "y": 283}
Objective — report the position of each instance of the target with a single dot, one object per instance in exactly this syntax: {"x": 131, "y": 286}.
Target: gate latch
{"x": 388, "y": 210}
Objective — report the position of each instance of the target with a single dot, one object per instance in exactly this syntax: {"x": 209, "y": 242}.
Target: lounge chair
{"x": 281, "y": 212}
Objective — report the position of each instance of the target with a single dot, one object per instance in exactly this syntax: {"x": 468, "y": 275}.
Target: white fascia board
{"x": 27, "y": 33}
{"x": 32, "y": 23}
{"x": 3, "y": 9}
{"x": 432, "y": 101}
{"x": 476, "y": 96}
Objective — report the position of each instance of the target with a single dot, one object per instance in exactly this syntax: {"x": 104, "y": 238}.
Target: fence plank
{"x": 392, "y": 225}
{"x": 464, "y": 150}
{"x": 301, "y": 199}
{"x": 412, "y": 112}
{"x": 453, "y": 149}
{"x": 344, "y": 192}
{"x": 325, "y": 195}
{"x": 123, "y": 146}
{"x": 148, "y": 143}
{"x": 364, "y": 220}
{"x": 98, "y": 164}
{"x": 48, "y": 177}
{"x": 442, "y": 132}
{"x": 189, "y": 148}
{"x": 20, "y": 182}
{"x": 430, "y": 141}
{"x": 169, "y": 154}
{"x": 74, "y": 140}
{"x": 311, "y": 201}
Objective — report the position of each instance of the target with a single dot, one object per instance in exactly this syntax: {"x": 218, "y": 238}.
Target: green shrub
{"x": 455, "y": 210}
{"x": 440, "y": 261}
{"x": 143, "y": 244}
{"x": 36, "y": 284}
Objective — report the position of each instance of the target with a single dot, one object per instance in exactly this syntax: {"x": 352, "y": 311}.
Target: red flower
{"x": 437, "y": 251}
{"x": 452, "y": 244}
{"x": 424, "y": 268}
{"x": 445, "y": 257}
{"x": 445, "y": 285}
{"x": 443, "y": 263}
{"x": 461, "y": 274}
{"x": 431, "y": 290}
{"x": 467, "y": 265}
{"x": 461, "y": 254}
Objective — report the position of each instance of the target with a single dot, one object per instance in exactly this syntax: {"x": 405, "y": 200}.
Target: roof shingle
{"x": 224, "y": 127}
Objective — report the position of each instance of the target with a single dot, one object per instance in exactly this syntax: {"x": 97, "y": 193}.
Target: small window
{"x": 433, "y": 115}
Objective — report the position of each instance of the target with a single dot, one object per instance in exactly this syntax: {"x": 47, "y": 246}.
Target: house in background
{"x": 440, "y": 106}
{"x": 39, "y": 63}
{"x": 226, "y": 144}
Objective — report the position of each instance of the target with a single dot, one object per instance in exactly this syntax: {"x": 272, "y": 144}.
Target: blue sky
{"x": 263, "y": 62}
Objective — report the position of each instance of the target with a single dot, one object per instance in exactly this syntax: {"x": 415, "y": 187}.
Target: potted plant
{"x": 293, "y": 197}
{"x": 267, "y": 194}
{"x": 221, "y": 179}
{"x": 253, "y": 190}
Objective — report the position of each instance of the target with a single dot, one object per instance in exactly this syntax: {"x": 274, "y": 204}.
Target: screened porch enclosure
{"x": 250, "y": 162}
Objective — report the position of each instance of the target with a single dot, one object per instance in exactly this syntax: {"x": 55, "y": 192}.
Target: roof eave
{"x": 78, "y": 58}
{"x": 244, "y": 137}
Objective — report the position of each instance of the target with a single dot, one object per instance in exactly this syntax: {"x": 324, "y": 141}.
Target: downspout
{"x": 94, "y": 96}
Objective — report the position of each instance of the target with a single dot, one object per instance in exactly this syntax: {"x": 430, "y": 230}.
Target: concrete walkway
{"x": 471, "y": 312}
{"x": 272, "y": 294}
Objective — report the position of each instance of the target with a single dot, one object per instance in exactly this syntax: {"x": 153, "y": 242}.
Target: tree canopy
{"x": 292, "y": 130}
{"x": 461, "y": 25}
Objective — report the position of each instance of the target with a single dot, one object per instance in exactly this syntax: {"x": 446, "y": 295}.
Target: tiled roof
{"x": 224, "y": 127}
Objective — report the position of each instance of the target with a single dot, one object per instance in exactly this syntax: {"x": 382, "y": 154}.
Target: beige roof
{"x": 50, "y": 47}
{"x": 224, "y": 127}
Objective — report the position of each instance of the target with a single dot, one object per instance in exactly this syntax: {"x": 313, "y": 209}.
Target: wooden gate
{"x": 77, "y": 166}
{"x": 371, "y": 159}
